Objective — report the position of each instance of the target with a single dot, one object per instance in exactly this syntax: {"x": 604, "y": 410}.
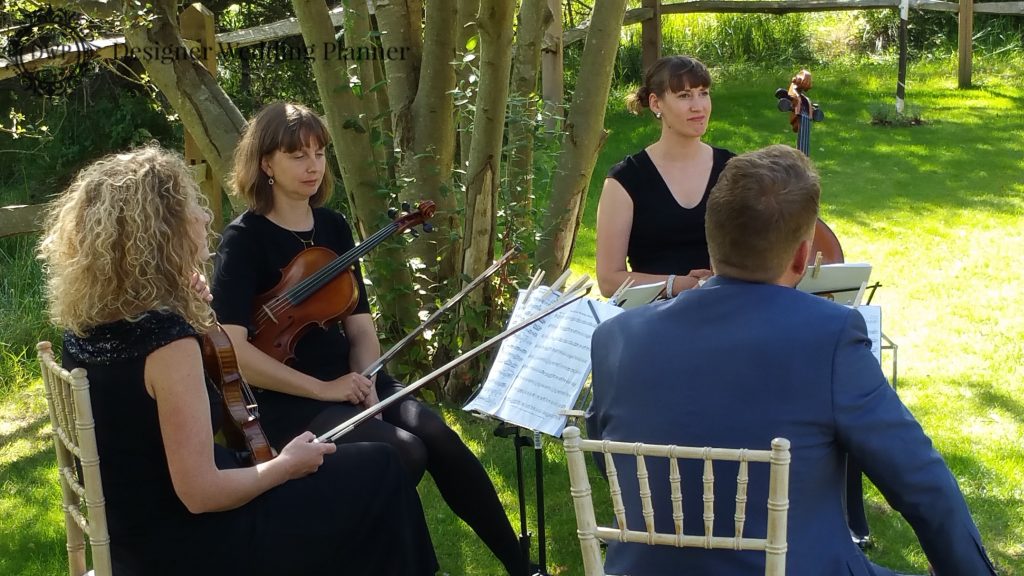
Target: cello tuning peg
{"x": 392, "y": 213}
{"x": 428, "y": 227}
{"x": 785, "y": 105}
{"x": 817, "y": 115}
{"x": 406, "y": 207}
{"x": 782, "y": 93}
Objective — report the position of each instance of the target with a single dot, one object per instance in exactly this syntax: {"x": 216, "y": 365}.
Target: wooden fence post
{"x": 552, "y": 72}
{"x": 650, "y": 35}
{"x": 965, "y": 28}
{"x": 196, "y": 23}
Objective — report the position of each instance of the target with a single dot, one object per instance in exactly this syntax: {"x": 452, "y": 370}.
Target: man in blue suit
{"x": 747, "y": 358}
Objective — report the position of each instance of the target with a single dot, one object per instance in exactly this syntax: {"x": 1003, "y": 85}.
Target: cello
{"x": 318, "y": 287}
{"x": 825, "y": 248}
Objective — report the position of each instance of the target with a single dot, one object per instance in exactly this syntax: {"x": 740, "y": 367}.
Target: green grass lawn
{"x": 937, "y": 209}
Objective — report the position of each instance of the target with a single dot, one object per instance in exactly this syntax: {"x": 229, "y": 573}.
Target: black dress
{"x": 665, "y": 238}
{"x": 358, "y": 514}
{"x": 252, "y": 252}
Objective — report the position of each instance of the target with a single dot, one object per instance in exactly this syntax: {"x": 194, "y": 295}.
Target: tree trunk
{"x": 495, "y": 24}
{"x": 347, "y": 110}
{"x": 206, "y": 112}
{"x": 401, "y": 33}
{"x": 433, "y": 142}
{"x": 395, "y": 76}
{"x": 583, "y": 139}
{"x": 534, "y": 18}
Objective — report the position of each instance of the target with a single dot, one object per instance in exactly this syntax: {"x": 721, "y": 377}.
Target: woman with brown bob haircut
{"x": 122, "y": 250}
{"x": 651, "y": 212}
{"x": 281, "y": 171}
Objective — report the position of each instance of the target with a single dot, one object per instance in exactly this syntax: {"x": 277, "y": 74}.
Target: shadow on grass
{"x": 987, "y": 396}
{"x": 991, "y": 493}
{"x": 499, "y": 458}
{"x": 32, "y": 540}
{"x": 30, "y": 428}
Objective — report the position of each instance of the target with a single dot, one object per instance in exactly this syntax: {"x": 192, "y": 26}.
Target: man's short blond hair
{"x": 764, "y": 204}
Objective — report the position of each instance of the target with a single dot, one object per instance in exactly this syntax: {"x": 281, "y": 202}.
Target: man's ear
{"x": 798, "y": 265}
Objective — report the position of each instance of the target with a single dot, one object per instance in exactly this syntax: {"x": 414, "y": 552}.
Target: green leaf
{"x": 472, "y": 42}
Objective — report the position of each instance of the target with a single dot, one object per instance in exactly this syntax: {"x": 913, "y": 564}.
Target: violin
{"x": 318, "y": 287}
{"x": 825, "y": 248}
{"x": 242, "y": 431}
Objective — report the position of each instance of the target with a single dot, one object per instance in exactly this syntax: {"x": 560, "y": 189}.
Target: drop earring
{"x": 270, "y": 180}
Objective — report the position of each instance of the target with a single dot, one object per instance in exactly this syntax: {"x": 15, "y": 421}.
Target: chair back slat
{"x": 677, "y": 495}
{"x": 618, "y": 508}
{"x": 742, "y": 479}
{"x": 78, "y": 463}
{"x": 709, "y": 499}
{"x": 645, "y": 494}
{"x": 774, "y": 545}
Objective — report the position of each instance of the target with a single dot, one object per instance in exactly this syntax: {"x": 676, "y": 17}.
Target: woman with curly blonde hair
{"x": 122, "y": 250}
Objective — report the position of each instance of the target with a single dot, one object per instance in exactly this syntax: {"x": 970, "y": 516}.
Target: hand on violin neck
{"x": 352, "y": 387}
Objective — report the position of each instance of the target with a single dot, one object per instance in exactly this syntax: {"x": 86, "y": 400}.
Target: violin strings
{"x": 313, "y": 282}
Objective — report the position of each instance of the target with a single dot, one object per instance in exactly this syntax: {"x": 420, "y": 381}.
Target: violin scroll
{"x": 424, "y": 211}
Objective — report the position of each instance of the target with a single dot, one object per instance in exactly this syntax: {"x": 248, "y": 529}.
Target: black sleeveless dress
{"x": 665, "y": 237}
{"x": 358, "y": 514}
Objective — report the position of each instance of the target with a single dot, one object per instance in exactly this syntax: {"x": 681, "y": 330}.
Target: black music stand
{"x": 507, "y": 430}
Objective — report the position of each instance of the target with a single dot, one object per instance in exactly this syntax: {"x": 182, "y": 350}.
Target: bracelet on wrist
{"x": 670, "y": 283}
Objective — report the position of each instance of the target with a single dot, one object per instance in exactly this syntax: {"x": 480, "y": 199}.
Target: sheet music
{"x": 544, "y": 372}
{"x": 513, "y": 352}
{"x": 873, "y": 318}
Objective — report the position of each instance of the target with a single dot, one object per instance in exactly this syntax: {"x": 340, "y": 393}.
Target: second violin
{"x": 316, "y": 288}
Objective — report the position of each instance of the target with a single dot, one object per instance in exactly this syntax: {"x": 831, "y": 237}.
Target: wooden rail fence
{"x": 197, "y": 28}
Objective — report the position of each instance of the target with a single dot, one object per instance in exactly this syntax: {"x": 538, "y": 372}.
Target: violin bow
{"x": 350, "y": 424}
{"x": 372, "y": 369}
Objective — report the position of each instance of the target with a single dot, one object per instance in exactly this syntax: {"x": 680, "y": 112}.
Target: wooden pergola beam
{"x": 107, "y": 48}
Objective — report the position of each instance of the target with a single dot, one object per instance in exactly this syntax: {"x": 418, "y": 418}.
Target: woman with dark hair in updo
{"x": 651, "y": 212}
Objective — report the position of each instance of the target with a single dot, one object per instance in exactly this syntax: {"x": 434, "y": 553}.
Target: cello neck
{"x": 803, "y": 136}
